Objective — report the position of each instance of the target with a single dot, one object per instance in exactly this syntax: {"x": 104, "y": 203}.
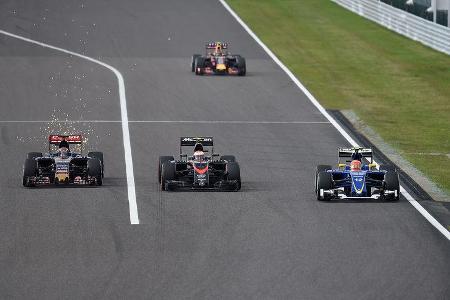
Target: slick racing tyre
{"x": 391, "y": 183}
{"x": 199, "y": 65}
{"x": 94, "y": 167}
{"x": 234, "y": 173}
{"x": 29, "y": 170}
{"x": 324, "y": 182}
{"x": 241, "y": 65}
{"x": 194, "y": 57}
{"x": 320, "y": 168}
{"x": 99, "y": 156}
{"x": 228, "y": 158}
{"x": 167, "y": 173}
{"x": 34, "y": 154}
{"x": 161, "y": 161}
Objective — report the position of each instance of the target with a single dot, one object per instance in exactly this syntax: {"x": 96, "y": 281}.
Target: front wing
{"x": 221, "y": 185}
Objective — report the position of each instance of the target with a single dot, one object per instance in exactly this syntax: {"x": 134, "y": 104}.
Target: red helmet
{"x": 355, "y": 165}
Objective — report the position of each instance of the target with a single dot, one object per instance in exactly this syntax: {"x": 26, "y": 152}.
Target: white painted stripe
{"x": 134, "y": 218}
{"x": 168, "y": 121}
{"x": 425, "y": 213}
{"x": 352, "y": 142}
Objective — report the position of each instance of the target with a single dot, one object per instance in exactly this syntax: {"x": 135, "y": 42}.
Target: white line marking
{"x": 134, "y": 218}
{"x": 168, "y": 121}
{"x": 411, "y": 200}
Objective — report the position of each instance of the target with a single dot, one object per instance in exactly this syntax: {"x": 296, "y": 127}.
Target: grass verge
{"x": 398, "y": 87}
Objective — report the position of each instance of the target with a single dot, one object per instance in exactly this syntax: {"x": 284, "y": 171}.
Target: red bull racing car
{"x": 356, "y": 180}
{"x": 63, "y": 166}
{"x": 217, "y": 60}
{"x": 203, "y": 170}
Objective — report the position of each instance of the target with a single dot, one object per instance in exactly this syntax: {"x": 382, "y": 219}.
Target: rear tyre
{"x": 392, "y": 183}
{"x": 194, "y": 57}
{"x": 241, "y": 65}
{"x": 228, "y": 158}
{"x": 29, "y": 170}
{"x": 234, "y": 173}
{"x": 163, "y": 159}
{"x": 199, "y": 65}
{"x": 99, "y": 156}
{"x": 324, "y": 182}
{"x": 94, "y": 167}
{"x": 34, "y": 154}
{"x": 167, "y": 173}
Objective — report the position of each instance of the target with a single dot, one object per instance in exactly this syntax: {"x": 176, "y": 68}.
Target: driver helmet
{"x": 198, "y": 147}
{"x": 64, "y": 152}
{"x": 355, "y": 165}
{"x": 218, "y": 48}
{"x": 199, "y": 155}
{"x": 64, "y": 144}
{"x": 357, "y": 156}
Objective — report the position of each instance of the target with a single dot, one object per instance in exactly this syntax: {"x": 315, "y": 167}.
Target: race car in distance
{"x": 357, "y": 180}
{"x": 199, "y": 171}
{"x": 217, "y": 60}
{"x": 62, "y": 166}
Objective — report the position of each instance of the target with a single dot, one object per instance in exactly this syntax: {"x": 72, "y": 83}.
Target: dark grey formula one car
{"x": 199, "y": 171}
{"x": 61, "y": 166}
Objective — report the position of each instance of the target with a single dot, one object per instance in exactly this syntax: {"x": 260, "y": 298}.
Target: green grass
{"x": 396, "y": 86}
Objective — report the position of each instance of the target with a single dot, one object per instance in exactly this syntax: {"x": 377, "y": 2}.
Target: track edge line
{"x": 316, "y": 103}
{"x": 134, "y": 216}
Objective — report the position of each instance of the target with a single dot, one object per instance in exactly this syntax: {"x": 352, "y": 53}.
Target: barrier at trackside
{"x": 428, "y": 33}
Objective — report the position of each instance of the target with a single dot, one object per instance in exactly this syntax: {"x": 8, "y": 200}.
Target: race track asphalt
{"x": 271, "y": 240}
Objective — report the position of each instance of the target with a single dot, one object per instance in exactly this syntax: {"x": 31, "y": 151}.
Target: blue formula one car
{"x": 356, "y": 180}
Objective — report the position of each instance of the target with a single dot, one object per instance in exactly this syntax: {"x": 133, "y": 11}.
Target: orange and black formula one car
{"x": 217, "y": 60}
{"x": 199, "y": 171}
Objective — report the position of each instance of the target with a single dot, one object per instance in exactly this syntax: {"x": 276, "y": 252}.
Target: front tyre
{"x": 320, "y": 168}
{"x": 234, "y": 174}
{"x": 199, "y": 65}
{"x": 161, "y": 161}
{"x": 194, "y": 57}
{"x": 29, "y": 170}
{"x": 99, "y": 156}
{"x": 392, "y": 183}
{"x": 324, "y": 182}
{"x": 94, "y": 167}
{"x": 167, "y": 174}
{"x": 241, "y": 65}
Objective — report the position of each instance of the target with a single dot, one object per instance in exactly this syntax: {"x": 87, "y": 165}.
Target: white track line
{"x": 168, "y": 121}
{"x": 408, "y": 197}
{"x": 134, "y": 218}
